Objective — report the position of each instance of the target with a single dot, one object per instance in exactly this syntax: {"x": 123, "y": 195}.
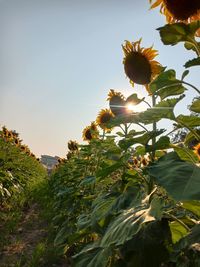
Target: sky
{"x": 59, "y": 58}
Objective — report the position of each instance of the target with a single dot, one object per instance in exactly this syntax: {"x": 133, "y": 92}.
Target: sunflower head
{"x": 72, "y": 145}
{"x": 104, "y": 117}
{"x": 16, "y": 142}
{"x": 178, "y": 10}
{"x": 116, "y": 102}
{"x": 197, "y": 150}
{"x": 139, "y": 64}
{"x": 90, "y": 132}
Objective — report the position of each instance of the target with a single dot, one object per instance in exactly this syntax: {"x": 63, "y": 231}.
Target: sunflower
{"x": 197, "y": 150}
{"x": 179, "y": 10}
{"x": 104, "y": 117}
{"x": 72, "y": 145}
{"x": 139, "y": 65}
{"x": 116, "y": 102}
{"x": 90, "y": 132}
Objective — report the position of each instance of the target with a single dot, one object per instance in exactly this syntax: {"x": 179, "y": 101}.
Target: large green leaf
{"x": 172, "y": 34}
{"x": 129, "y": 222}
{"x": 188, "y": 120}
{"x": 162, "y": 110}
{"x": 92, "y": 256}
{"x": 193, "y": 62}
{"x": 166, "y": 85}
{"x": 195, "y": 106}
{"x": 178, "y": 231}
{"x": 180, "y": 179}
{"x": 143, "y": 139}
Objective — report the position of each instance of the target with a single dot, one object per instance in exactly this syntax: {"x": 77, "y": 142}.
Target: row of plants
{"x": 18, "y": 165}
{"x": 131, "y": 196}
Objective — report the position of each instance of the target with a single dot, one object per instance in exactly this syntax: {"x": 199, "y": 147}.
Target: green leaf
{"x": 180, "y": 179}
{"x": 193, "y": 206}
{"x": 178, "y": 231}
{"x": 171, "y": 34}
{"x": 134, "y": 100}
{"x": 92, "y": 256}
{"x": 195, "y": 107}
{"x": 108, "y": 170}
{"x": 143, "y": 139}
{"x": 166, "y": 85}
{"x": 193, "y": 62}
{"x": 188, "y": 120}
{"x": 162, "y": 110}
{"x": 162, "y": 143}
{"x": 89, "y": 180}
{"x": 186, "y": 154}
{"x": 185, "y": 73}
{"x": 129, "y": 222}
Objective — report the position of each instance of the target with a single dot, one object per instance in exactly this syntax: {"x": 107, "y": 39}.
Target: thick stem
{"x": 154, "y": 126}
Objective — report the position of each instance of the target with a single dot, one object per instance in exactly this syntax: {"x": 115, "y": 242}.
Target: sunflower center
{"x": 137, "y": 68}
{"x": 105, "y": 118}
{"x": 88, "y": 135}
{"x": 182, "y": 9}
{"x": 117, "y": 105}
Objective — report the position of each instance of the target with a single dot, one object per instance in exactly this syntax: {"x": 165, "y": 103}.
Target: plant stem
{"x": 154, "y": 126}
{"x": 146, "y": 103}
{"x": 192, "y": 86}
{"x": 142, "y": 127}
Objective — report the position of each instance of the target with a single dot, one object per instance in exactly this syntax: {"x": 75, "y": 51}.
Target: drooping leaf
{"x": 133, "y": 99}
{"x": 92, "y": 256}
{"x": 166, "y": 84}
{"x": 178, "y": 231}
{"x": 164, "y": 109}
{"x": 129, "y": 222}
{"x": 195, "y": 107}
{"x": 192, "y": 62}
{"x": 188, "y": 120}
{"x": 143, "y": 139}
{"x": 180, "y": 179}
{"x": 171, "y": 34}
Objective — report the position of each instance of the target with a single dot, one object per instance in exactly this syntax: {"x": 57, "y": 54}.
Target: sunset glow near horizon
{"x": 59, "y": 58}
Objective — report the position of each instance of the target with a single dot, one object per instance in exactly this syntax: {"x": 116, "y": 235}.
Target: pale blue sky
{"x": 59, "y": 58}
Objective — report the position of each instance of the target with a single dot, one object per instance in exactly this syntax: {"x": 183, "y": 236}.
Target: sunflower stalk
{"x": 154, "y": 127}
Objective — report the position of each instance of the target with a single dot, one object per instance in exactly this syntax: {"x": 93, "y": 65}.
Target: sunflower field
{"x": 20, "y": 171}
{"x": 131, "y": 195}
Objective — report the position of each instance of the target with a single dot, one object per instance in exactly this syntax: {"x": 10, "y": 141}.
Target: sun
{"x": 130, "y": 107}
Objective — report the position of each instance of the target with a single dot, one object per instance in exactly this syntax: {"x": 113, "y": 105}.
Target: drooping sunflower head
{"x": 90, "y": 132}
{"x": 116, "y": 102}
{"x": 139, "y": 64}
{"x": 72, "y": 145}
{"x": 104, "y": 117}
{"x": 197, "y": 150}
{"x": 178, "y": 10}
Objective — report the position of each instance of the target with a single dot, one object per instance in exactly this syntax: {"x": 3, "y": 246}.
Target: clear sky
{"x": 59, "y": 58}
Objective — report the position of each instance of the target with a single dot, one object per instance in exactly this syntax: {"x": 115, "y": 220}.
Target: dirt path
{"x": 26, "y": 242}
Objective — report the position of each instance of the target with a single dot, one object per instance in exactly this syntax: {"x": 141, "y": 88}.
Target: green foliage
{"x": 181, "y": 179}
{"x": 132, "y": 198}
